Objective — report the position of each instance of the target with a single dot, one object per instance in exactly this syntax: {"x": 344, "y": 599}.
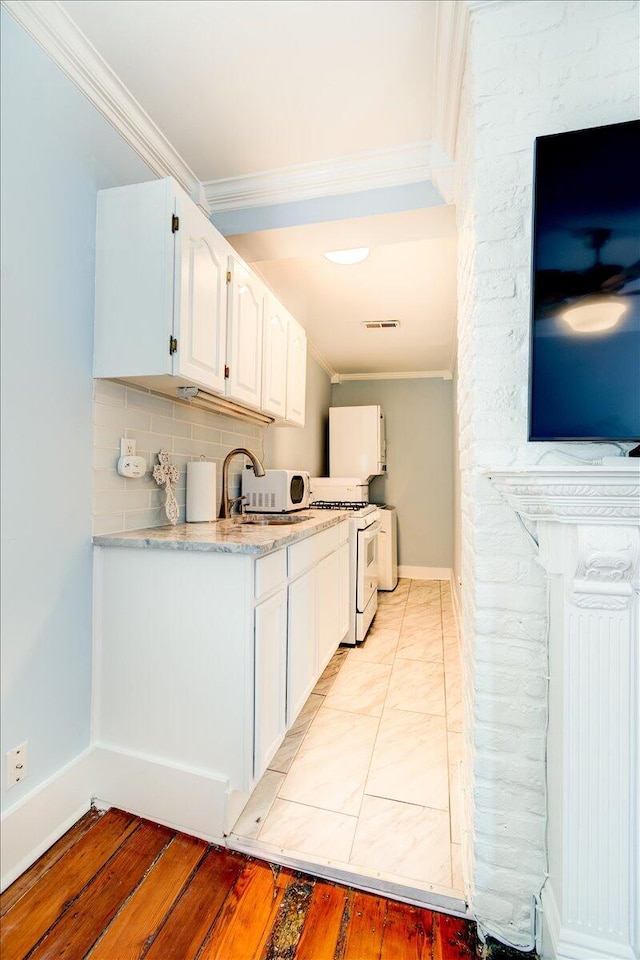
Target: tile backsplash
{"x": 156, "y": 423}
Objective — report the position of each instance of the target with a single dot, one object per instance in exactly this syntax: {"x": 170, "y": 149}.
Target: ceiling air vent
{"x": 381, "y": 324}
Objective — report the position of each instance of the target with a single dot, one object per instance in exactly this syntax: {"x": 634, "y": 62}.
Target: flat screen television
{"x": 585, "y": 304}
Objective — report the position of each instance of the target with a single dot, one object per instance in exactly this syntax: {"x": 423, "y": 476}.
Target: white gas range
{"x": 331, "y": 493}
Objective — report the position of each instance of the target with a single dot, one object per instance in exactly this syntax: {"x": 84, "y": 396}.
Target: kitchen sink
{"x": 267, "y": 520}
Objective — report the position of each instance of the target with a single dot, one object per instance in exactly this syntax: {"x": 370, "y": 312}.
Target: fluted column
{"x": 588, "y": 524}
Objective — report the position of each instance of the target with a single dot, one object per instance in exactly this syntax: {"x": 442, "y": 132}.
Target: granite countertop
{"x": 225, "y": 536}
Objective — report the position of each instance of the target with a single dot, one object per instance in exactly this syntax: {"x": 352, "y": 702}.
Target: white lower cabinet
{"x": 328, "y": 578}
{"x": 343, "y": 560}
{"x": 203, "y": 660}
{"x": 270, "y": 684}
{"x": 302, "y": 653}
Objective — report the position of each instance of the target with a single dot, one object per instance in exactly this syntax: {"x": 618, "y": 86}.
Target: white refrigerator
{"x": 357, "y": 446}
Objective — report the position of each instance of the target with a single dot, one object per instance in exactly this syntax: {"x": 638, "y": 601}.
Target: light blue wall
{"x": 304, "y": 448}
{"x": 365, "y": 203}
{"x": 419, "y": 479}
{"x": 57, "y": 151}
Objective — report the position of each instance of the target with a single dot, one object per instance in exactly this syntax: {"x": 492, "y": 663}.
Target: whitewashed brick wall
{"x": 533, "y": 68}
{"x": 156, "y": 423}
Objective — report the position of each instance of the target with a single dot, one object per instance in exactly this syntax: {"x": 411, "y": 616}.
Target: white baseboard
{"x": 42, "y": 816}
{"x": 550, "y": 925}
{"x": 184, "y": 799}
{"x": 455, "y": 599}
{"x": 187, "y": 800}
{"x": 425, "y": 573}
{"x": 561, "y": 943}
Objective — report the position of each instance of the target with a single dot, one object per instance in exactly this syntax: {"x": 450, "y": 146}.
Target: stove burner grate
{"x": 340, "y": 504}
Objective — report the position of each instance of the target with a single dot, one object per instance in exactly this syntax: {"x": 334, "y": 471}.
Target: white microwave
{"x": 279, "y": 491}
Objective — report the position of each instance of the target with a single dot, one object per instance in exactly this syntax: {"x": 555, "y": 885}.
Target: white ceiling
{"x": 409, "y": 276}
{"x": 245, "y": 86}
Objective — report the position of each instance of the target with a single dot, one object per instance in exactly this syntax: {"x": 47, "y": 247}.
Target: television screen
{"x": 585, "y": 329}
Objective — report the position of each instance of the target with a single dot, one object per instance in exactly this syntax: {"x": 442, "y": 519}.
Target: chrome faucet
{"x": 226, "y": 504}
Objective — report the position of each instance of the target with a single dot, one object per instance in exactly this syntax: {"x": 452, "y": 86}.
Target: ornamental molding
{"x": 607, "y": 567}
{"x": 451, "y": 38}
{"x": 430, "y": 160}
{"x": 322, "y": 361}
{"x": 369, "y": 170}
{"x": 593, "y": 494}
{"x": 54, "y": 30}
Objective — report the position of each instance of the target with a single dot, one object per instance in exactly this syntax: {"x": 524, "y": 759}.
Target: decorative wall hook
{"x": 166, "y": 474}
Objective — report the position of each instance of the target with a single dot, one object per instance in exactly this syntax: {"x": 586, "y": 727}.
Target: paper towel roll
{"x": 201, "y": 491}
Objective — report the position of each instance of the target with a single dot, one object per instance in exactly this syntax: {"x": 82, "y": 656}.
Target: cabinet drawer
{"x": 327, "y": 541}
{"x": 309, "y": 552}
{"x": 271, "y": 572}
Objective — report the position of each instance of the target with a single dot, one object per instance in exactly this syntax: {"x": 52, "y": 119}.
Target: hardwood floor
{"x": 116, "y": 887}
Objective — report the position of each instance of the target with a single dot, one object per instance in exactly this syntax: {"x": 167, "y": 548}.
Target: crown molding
{"x": 369, "y": 170}
{"x": 478, "y": 4}
{"x": 452, "y": 29}
{"x": 321, "y": 360}
{"x": 53, "y": 29}
{"x": 401, "y": 375}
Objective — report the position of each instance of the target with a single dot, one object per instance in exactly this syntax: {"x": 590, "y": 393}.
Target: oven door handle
{"x": 370, "y": 532}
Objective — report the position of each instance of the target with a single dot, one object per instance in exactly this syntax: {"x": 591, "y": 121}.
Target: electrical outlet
{"x": 127, "y": 448}
{"x": 17, "y": 764}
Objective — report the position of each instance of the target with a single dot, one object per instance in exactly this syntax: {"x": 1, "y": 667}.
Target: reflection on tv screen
{"x": 585, "y": 339}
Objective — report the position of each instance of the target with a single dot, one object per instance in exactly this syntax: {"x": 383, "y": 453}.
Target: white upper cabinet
{"x": 161, "y": 291}
{"x": 274, "y": 357}
{"x": 244, "y": 345}
{"x": 200, "y": 322}
{"x": 296, "y": 373}
{"x": 134, "y": 280}
{"x": 175, "y": 307}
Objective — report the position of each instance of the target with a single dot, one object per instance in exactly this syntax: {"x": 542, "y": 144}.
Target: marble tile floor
{"x": 367, "y": 779}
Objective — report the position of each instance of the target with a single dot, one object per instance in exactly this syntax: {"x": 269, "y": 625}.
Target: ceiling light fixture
{"x": 348, "y": 257}
{"x": 594, "y": 315}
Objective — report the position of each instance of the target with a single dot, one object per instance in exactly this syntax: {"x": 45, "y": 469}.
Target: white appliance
{"x": 357, "y": 445}
{"x": 388, "y": 549}
{"x": 279, "y": 491}
{"x": 350, "y": 493}
{"x": 345, "y": 489}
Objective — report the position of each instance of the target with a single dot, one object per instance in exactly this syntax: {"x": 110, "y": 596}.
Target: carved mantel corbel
{"x": 607, "y": 568}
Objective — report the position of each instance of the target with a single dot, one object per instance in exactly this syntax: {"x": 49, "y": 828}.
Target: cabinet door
{"x": 343, "y": 604}
{"x": 302, "y": 649}
{"x": 201, "y": 309}
{"x": 328, "y": 607}
{"x": 274, "y": 358}
{"x": 244, "y": 332}
{"x": 296, "y": 373}
{"x": 134, "y": 296}
{"x": 270, "y": 679}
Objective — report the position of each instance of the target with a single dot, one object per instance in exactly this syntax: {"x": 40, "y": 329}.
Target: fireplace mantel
{"x": 589, "y": 494}
{"x": 588, "y": 526}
